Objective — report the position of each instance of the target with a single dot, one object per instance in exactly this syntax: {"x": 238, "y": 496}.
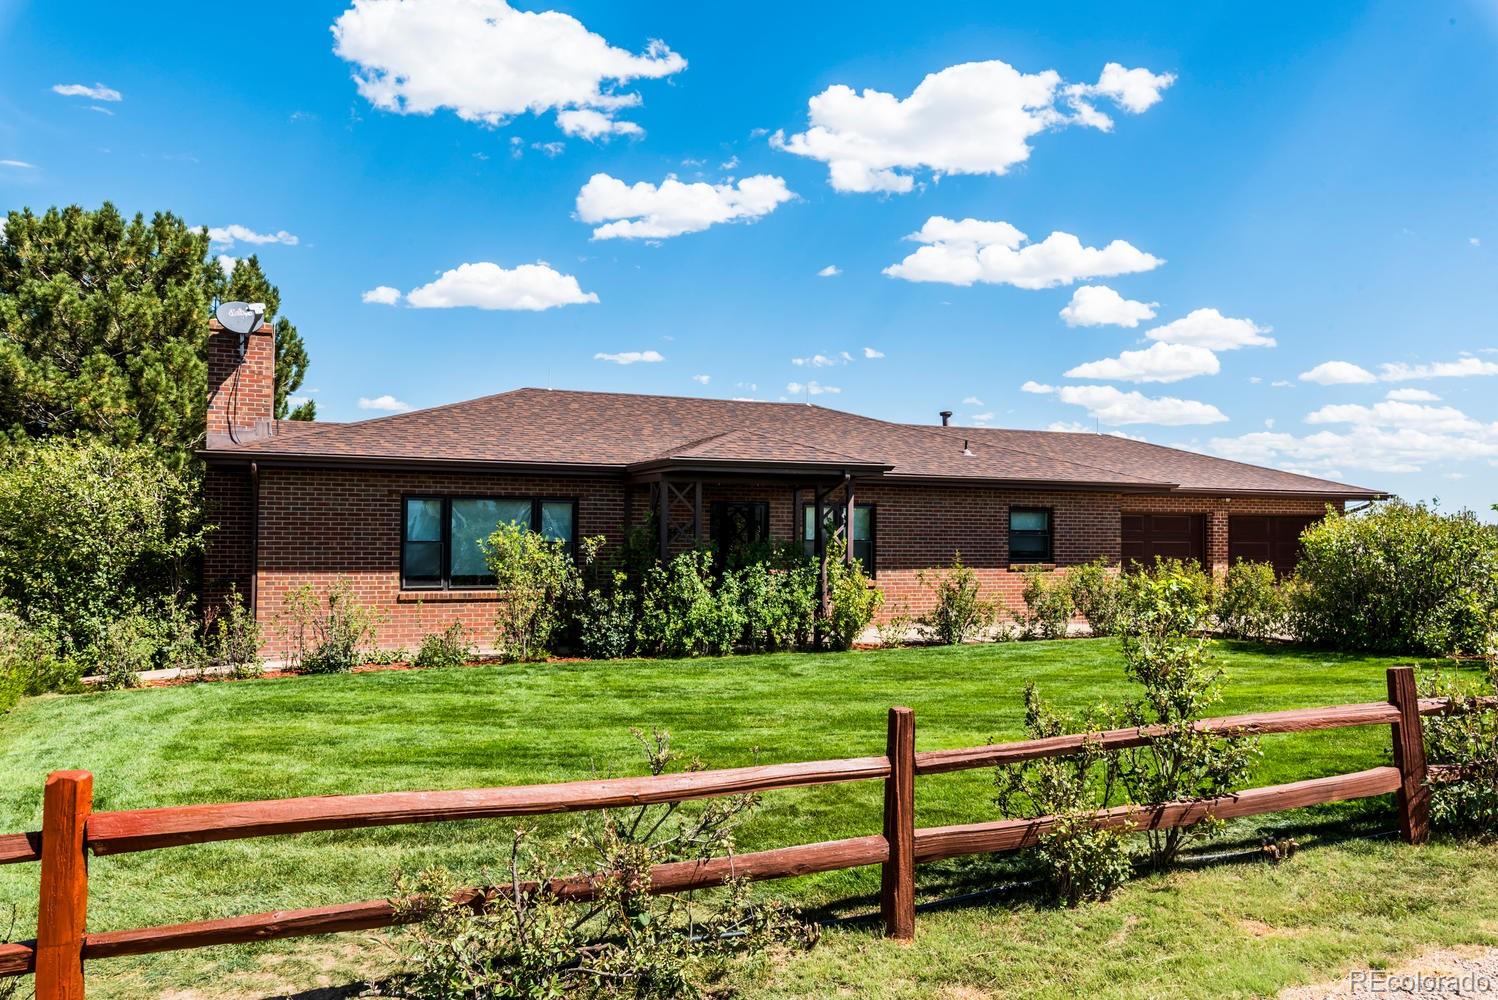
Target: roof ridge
{"x": 946, "y": 429}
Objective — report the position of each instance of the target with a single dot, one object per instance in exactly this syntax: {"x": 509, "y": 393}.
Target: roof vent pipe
{"x": 966, "y": 451}
{"x": 946, "y": 417}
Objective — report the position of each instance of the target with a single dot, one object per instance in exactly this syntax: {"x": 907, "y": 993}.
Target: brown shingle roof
{"x": 614, "y": 431}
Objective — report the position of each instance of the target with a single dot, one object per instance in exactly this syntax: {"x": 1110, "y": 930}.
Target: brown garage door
{"x": 1167, "y": 536}
{"x": 1273, "y": 539}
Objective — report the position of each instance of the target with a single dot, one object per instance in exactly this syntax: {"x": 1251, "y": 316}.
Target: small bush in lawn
{"x": 1048, "y": 605}
{"x": 779, "y": 601}
{"x": 1096, "y": 591}
{"x": 1081, "y": 863}
{"x": 536, "y": 580}
{"x": 234, "y": 638}
{"x": 894, "y": 631}
{"x": 1399, "y": 578}
{"x": 960, "y": 613}
{"x": 327, "y": 635}
{"x": 1467, "y": 740}
{"x": 448, "y": 648}
{"x": 1252, "y": 604}
{"x": 852, "y": 602}
{"x": 683, "y": 614}
{"x": 1168, "y": 654}
{"x": 623, "y": 943}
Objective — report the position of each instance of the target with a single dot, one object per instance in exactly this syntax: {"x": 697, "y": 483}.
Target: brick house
{"x": 397, "y": 503}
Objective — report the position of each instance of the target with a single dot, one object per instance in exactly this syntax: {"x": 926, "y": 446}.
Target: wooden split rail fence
{"x": 71, "y": 830}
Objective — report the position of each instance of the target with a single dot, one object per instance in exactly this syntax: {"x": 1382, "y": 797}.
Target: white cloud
{"x": 1157, "y": 363}
{"x": 1338, "y": 373}
{"x": 1210, "y": 328}
{"x": 382, "y": 295}
{"x": 1039, "y": 388}
{"x": 972, "y": 118}
{"x": 1072, "y": 427}
{"x": 98, "y": 92}
{"x": 234, "y": 233}
{"x": 1099, "y": 305}
{"x": 1393, "y": 413}
{"x": 486, "y": 285}
{"x": 823, "y": 360}
{"x": 1111, "y": 405}
{"x": 631, "y": 357}
{"x": 1376, "y": 447}
{"x": 1474, "y": 241}
{"x": 830, "y": 271}
{"x": 972, "y": 401}
{"x": 1462, "y": 368}
{"x": 227, "y": 264}
{"x": 702, "y": 379}
{"x": 647, "y": 211}
{"x": 961, "y": 253}
{"x": 1411, "y": 396}
{"x": 812, "y": 388}
{"x": 981, "y": 418}
{"x": 489, "y": 62}
{"x": 386, "y": 402}
{"x": 18, "y": 164}
{"x": 871, "y": 354}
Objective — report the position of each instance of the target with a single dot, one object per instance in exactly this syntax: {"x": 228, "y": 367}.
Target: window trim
{"x": 873, "y": 508}
{"x": 444, "y": 582}
{"x": 1050, "y": 534}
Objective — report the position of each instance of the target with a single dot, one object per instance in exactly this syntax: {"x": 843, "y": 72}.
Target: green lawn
{"x": 1231, "y": 928}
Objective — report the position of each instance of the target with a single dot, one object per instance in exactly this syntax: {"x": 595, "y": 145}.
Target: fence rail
{"x": 70, "y": 830}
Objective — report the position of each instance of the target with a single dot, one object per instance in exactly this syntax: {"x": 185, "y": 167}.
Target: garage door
{"x": 1145, "y": 537}
{"x": 1272, "y": 539}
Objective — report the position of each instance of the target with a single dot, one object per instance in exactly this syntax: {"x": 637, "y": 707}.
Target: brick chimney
{"x": 241, "y": 391}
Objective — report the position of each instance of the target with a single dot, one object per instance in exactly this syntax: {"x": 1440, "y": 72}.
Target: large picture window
{"x": 442, "y": 537}
{"x": 1030, "y": 535}
{"x": 832, "y": 519}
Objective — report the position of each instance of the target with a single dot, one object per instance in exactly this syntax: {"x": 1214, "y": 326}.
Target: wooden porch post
{"x": 848, "y": 522}
{"x": 819, "y": 543}
{"x": 663, "y": 514}
{"x": 697, "y": 512}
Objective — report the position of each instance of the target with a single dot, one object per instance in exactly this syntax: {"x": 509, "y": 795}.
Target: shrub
{"x": 681, "y": 614}
{"x": 779, "y": 601}
{"x": 326, "y": 635}
{"x": 624, "y": 942}
{"x": 29, "y": 664}
{"x": 536, "y": 580}
{"x": 1048, "y": 605}
{"x": 1167, "y": 654}
{"x": 960, "y": 613}
{"x": 852, "y": 603}
{"x": 234, "y": 638}
{"x": 1080, "y": 863}
{"x": 1252, "y": 604}
{"x": 894, "y": 631}
{"x": 1467, "y": 740}
{"x": 1096, "y": 592}
{"x": 1399, "y": 578}
{"x": 606, "y": 626}
{"x": 90, "y": 534}
{"x": 448, "y": 648}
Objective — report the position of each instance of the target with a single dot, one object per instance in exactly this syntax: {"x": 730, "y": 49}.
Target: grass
{"x": 1233, "y": 930}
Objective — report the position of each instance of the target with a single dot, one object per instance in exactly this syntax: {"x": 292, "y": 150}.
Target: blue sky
{"x": 1321, "y": 176}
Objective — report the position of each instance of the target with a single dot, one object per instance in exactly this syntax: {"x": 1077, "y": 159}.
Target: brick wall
{"x": 318, "y": 525}
{"x": 248, "y": 400}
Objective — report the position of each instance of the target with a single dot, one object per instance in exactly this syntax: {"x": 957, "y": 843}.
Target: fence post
{"x": 897, "y": 880}
{"x": 63, "y": 905}
{"x": 1409, "y": 756}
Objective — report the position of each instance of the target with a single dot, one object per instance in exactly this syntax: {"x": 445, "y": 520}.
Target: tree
{"x": 103, "y": 327}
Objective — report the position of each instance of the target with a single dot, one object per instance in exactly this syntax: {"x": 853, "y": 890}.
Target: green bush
{"x": 779, "y": 601}
{"x": 606, "y": 621}
{"x": 1399, "y": 578}
{"x": 234, "y": 638}
{"x": 329, "y": 634}
{"x": 960, "y": 613}
{"x": 91, "y": 534}
{"x": 29, "y": 664}
{"x": 852, "y": 601}
{"x": 683, "y": 614}
{"x": 448, "y": 648}
{"x": 1170, "y": 597}
{"x": 1048, "y": 605}
{"x": 1467, "y": 740}
{"x": 537, "y": 581}
{"x": 1252, "y": 604}
{"x": 1096, "y": 592}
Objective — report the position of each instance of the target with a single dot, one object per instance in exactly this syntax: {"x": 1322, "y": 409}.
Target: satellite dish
{"x": 240, "y": 317}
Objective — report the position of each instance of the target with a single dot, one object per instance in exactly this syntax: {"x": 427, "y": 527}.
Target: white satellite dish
{"x": 240, "y": 317}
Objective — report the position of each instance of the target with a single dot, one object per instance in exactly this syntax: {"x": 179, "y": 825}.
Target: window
{"x": 441, "y": 540}
{"x": 832, "y": 520}
{"x": 1029, "y": 535}
{"x": 737, "y": 524}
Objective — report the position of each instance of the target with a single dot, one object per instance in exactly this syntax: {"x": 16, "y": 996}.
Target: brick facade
{"x": 315, "y": 525}
{"x": 241, "y": 396}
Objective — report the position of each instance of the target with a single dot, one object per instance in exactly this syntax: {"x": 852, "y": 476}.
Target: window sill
{"x": 1027, "y": 567}
{"x": 435, "y": 596}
